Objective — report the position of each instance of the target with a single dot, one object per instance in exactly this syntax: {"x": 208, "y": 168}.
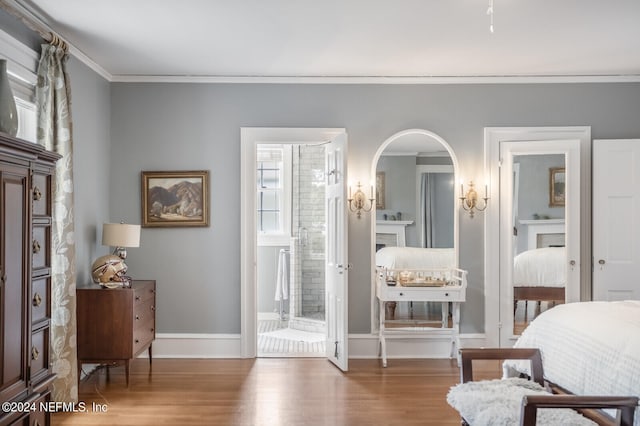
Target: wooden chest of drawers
{"x": 115, "y": 325}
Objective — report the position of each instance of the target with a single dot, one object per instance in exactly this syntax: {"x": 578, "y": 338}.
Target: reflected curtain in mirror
{"x": 427, "y": 198}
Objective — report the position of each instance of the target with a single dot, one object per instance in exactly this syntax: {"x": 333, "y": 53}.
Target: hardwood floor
{"x": 272, "y": 391}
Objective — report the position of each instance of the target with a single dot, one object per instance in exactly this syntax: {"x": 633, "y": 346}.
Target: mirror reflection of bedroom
{"x": 540, "y": 259}
{"x": 415, "y": 210}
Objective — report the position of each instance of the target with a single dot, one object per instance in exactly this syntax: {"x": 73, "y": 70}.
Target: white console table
{"x": 454, "y": 292}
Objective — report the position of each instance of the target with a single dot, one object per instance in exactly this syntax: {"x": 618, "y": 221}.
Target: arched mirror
{"x": 416, "y": 207}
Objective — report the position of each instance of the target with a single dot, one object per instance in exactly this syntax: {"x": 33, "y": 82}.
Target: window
{"x": 272, "y": 190}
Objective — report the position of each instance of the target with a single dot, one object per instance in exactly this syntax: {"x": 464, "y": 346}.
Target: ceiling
{"x": 350, "y": 38}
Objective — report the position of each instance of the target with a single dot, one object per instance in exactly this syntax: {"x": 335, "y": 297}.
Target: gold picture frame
{"x": 557, "y": 187}
{"x": 380, "y": 190}
{"x": 175, "y": 198}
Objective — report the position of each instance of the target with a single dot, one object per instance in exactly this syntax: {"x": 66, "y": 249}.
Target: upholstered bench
{"x": 514, "y": 401}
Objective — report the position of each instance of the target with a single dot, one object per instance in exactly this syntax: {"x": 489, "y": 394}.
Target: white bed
{"x": 540, "y": 274}
{"x": 588, "y": 348}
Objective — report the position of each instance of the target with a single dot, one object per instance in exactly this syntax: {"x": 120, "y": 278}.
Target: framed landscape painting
{"x": 175, "y": 198}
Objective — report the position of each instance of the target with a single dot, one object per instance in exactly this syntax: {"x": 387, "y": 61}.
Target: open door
{"x": 336, "y": 247}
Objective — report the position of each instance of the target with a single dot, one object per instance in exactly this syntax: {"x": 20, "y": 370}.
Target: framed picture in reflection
{"x": 556, "y": 187}
{"x": 380, "y": 190}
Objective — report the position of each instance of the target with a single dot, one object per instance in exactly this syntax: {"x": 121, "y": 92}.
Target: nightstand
{"x": 115, "y": 325}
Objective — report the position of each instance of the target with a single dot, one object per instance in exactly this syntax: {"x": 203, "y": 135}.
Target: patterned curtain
{"x": 54, "y": 133}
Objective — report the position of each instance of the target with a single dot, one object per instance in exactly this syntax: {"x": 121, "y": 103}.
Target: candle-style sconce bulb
{"x": 469, "y": 200}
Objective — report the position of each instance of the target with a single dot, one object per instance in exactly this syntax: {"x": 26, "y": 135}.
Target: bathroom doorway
{"x": 291, "y": 255}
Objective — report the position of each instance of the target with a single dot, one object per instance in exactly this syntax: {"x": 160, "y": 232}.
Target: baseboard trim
{"x": 361, "y": 346}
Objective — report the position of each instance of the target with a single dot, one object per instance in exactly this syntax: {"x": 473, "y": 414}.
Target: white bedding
{"x": 415, "y": 258}
{"x": 542, "y": 267}
{"x": 588, "y": 348}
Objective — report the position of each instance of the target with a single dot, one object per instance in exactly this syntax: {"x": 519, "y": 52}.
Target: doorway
{"x": 502, "y": 145}
{"x": 336, "y": 304}
{"x": 291, "y": 256}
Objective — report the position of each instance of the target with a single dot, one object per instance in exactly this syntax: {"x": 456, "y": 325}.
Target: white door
{"x": 336, "y": 249}
{"x": 508, "y": 150}
{"x": 616, "y": 225}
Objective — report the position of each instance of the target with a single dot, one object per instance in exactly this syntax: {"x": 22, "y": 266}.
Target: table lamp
{"x": 120, "y": 236}
{"x": 109, "y": 270}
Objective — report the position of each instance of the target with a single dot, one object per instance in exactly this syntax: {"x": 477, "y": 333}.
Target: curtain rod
{"x": 34, "y": 23}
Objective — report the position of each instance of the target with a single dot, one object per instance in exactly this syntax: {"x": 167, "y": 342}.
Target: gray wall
{"x": 191, "y": 126}
{"x": 534, "y": 191}
{"x": 92, "y": 165}
{"x": 400, "y": 191}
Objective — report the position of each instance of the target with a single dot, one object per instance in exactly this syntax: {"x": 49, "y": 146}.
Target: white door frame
{"x": 250, "y": 137}
{"x": 492, "y": 138}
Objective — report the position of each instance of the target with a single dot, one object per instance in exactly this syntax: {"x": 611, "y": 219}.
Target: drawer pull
{"x": 35, "y": 246}
{"x": 37, "y": 194}
{"x": 446, "y": 294}
{"x": 151, "y": 329}
{"x": 35, "y": 354}
{"x": 37, "y": 300}
{"x": 137, "y": 341}
{"x": 137, "y": 297}
{"x": 137, "y": 317}
{"x": 401, "y": 294}
{"x": 153, "y": 308}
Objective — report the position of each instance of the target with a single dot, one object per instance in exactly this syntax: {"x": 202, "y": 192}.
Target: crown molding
{"x": 633, "y": 78}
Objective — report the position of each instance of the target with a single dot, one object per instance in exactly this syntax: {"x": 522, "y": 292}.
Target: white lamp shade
{"x": 120, "y": 235}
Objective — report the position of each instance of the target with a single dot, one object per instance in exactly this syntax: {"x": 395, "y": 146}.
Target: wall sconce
{"x": 358, "y": 201}
{"x": 469, "y": 200}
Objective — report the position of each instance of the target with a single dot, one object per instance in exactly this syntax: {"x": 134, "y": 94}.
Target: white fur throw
{"x": 498, "y": 403}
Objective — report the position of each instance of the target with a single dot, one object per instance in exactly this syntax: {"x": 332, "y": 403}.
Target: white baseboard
{"x": 188, "y": 345}
{"x": 183, "y": 345}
